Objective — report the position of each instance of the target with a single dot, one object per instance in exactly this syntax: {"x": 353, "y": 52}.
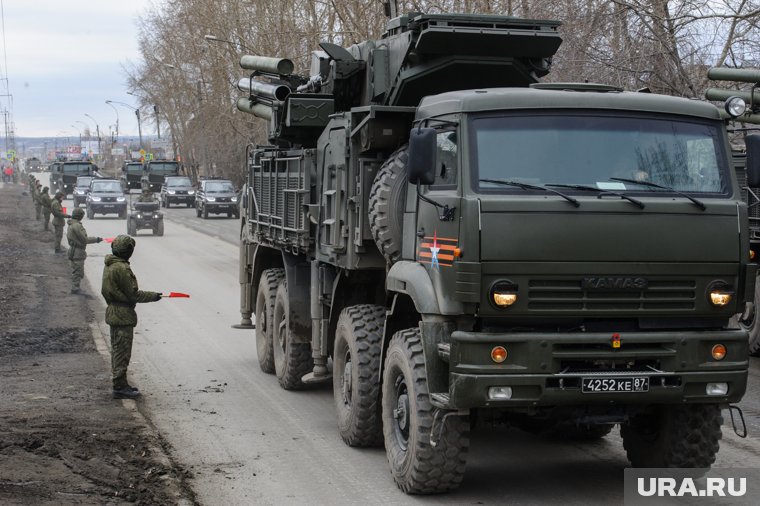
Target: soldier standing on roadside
{"x": 46, "y": 204}
{"x": 32, "y": 183}
{"x": 37, "y": 203}
{"x": 58, "y": 220}
{"x": 121, "y": 293}
{"x": 78, "y": 241}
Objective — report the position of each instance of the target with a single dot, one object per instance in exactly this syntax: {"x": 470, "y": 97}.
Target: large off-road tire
{"x": 386, "y": 204}
{"x": 265, "y": 297}
{"x": 751, "y": 323}
{"x": 417, "y": 466}
{"x": 291, "y": 360}
{"x": 131, "y": 227}
{"x": 674, "y": 436}
{"x": 356, "y": 374}
{"x": 159, "y": 230}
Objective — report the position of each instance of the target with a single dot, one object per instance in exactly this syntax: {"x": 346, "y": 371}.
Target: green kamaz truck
{"x": 447, "y": 239}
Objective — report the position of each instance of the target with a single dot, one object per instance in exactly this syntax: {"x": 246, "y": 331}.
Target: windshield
{"x": 164, "y": 168}
{"x": 178, "y": 182}
{"x": 76, "y": 168}
{"x": 590, "y": 150}
{"x": 134, "y": 168}
{"x": 219, "y": 187}
{"x": 106, "y": 187}
{"x": 84, "y": 181}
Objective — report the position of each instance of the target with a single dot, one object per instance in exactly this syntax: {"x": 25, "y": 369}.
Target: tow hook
{"x": 738, "y": 410}
{"x": 439, "y": 421}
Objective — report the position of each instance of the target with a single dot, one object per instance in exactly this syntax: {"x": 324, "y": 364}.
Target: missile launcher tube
{"x": 281, "y": 66}
{"x": 720, "y": 94}
{"x": 729, "y": 74}
{"x": 257, "y": 109}
{"x": 272, "y": 91}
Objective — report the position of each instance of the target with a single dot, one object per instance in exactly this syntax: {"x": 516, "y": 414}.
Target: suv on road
{"x": 81, "y": 189}
{"x": 106, "y": 197}
{"x": 216, "y": 196}
{"x": 177, "y": 190}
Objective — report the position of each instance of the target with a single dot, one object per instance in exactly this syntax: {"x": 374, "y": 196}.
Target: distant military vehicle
{"x": 155, "y": 171}
{"x": 106, "y": 196}
{"x": 177, "y": 190}
{"x": 32, "y": 164}
{"x": 63, "y": 175}
{"x": 463, "y": 241}
{"x": 216, "y": 196}
{"x": 131, "y": 175}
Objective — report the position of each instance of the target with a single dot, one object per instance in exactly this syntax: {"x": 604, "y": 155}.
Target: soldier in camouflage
{"x": 78, "y": 241}
{"x": 46, "y": 204}
{"x": 58, "y": 220}
{"x": 122, "y": 294}
{"x": 36, "y": 197}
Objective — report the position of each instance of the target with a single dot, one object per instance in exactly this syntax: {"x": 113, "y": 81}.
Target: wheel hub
{"x": 346, "y": 380}
{"x": 401, "y": 413}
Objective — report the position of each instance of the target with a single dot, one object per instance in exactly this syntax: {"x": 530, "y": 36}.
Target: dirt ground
{"x": 63, "y": 439}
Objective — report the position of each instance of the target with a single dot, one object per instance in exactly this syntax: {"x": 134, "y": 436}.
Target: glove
{"x": 100, "y": 239}
{"x": 158, "y": 297}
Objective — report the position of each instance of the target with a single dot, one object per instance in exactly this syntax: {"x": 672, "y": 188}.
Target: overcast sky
{"x": 65, "y": 59}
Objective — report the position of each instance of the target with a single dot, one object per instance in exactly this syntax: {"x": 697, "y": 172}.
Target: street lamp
{"x": 80, "y": 135}
{"x": 117, "y": 119}
{"x": 97, "y": 131}
{"x": 137, "y": 113}
{"x": 214, "y": 38}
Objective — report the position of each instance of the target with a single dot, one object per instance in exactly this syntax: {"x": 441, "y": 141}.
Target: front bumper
{"x": 108, "y": 207}
{"x": 175, "y": 199}
{"x": 221, "y": 207}
{"x": 547, "y": 369}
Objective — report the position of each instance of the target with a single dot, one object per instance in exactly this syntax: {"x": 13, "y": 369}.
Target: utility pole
{"x": 158, "y": 121}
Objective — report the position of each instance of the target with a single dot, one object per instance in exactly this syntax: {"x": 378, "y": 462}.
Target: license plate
{"x": 614, "y": 385}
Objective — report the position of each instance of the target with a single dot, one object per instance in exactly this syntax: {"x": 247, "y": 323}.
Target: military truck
{"x": 63, "y": 175}
{"x": 155, "y": 171}
{"x": 741, "y": 107}
{"x": 466, "y": 243}
{"x": 131, "y": 175}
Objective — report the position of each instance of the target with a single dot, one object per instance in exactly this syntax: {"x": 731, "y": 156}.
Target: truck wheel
{"x": 291, "y": 360}
{"x": 674, "y": 436}
{"x": 386, "y": 204}
{"x": 749, "y": 322}
{"x": 417, "y": 466}
{"x": 265, "y": 298}
{"x": 356, "y": 374}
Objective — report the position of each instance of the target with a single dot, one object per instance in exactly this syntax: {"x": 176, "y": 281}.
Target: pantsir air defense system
{"x": 464, "y": 242}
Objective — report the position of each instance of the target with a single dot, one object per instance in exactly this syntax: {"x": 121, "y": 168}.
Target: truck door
{"x": 438, "y": 215}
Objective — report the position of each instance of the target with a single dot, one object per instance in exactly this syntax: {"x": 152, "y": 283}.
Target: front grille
{"x": 569, "y": 295}
{"x": 108, "y": 199}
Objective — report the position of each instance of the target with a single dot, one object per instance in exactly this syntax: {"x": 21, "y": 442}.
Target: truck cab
{"x": 131, "y": 175}
{"x": 155, "y": 171}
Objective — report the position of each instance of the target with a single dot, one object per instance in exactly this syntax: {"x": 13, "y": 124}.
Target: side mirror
{"x": 422, "y": 154}
{"x": 753, "y": 159}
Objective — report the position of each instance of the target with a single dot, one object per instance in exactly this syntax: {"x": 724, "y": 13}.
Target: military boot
{"x": 125, "y": 392}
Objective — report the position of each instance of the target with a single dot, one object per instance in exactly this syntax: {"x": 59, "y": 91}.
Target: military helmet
{"x": 123, "y": 246}
{"x": 45, "y": 189}
{"x": 77, "y": 213}
{"x": 59, "y": 194}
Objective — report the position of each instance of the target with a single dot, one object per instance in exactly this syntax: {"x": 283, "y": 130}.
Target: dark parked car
{"x": 81, "y": 189}
{"x": 216, "y": 196}
{"x": 106, "y": 197}
{"x": 177, "y": 190}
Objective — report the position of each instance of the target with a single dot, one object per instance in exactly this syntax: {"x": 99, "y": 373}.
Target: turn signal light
{"x": 499, "y": 354}
{"x": 752, "y": 254}
{"x": 718, "y": 352}
{"x": 720, "y": 298}
{"x": 502, "y": 299}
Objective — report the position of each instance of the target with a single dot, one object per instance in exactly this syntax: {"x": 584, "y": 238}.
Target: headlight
{"x": 139, "y": 216}
{"x": 170, "y": 192}
{"x": 120, "y": 199}
{"x": 719, "y": 294}
{"x": 210, "y": 199}
{"x": 234, "y": 199}
{"x": 155, "y": 216}
{"x": 191, "y": 192}
{"x": 95, "y": 199}
{"x": 735, "y": 106}
{"x": 79, "y": 192}
{"x": 503, "y": 294}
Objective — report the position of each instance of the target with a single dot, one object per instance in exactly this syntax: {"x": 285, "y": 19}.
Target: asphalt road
{"x": 249, "y": 442}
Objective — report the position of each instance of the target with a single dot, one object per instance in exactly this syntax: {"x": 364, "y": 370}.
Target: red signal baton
{"x": 176, "y": 295}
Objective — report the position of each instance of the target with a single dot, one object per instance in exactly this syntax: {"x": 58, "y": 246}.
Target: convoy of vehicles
{"x": 216, "y": 196}
{"x": 177, "y": 190}
{"x": 464, "y": 242}
{"x": 106, "y": 196}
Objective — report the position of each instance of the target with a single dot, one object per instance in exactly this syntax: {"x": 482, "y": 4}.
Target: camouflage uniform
{"x": 58, "y": 220}
{"x": 145, "y": 196}
{"x": 32, "y": 184}
{"x": 36, "y": 196}
{"x": 78, "y": 241}
{"x": 46, "y": 204}
{"x": 121, "y": 293}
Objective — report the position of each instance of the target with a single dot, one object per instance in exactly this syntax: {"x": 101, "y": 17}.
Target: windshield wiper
{"x": 526, "y": 186}
{"x": 600, "y": 193}
{"x": 696, "y": 202}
